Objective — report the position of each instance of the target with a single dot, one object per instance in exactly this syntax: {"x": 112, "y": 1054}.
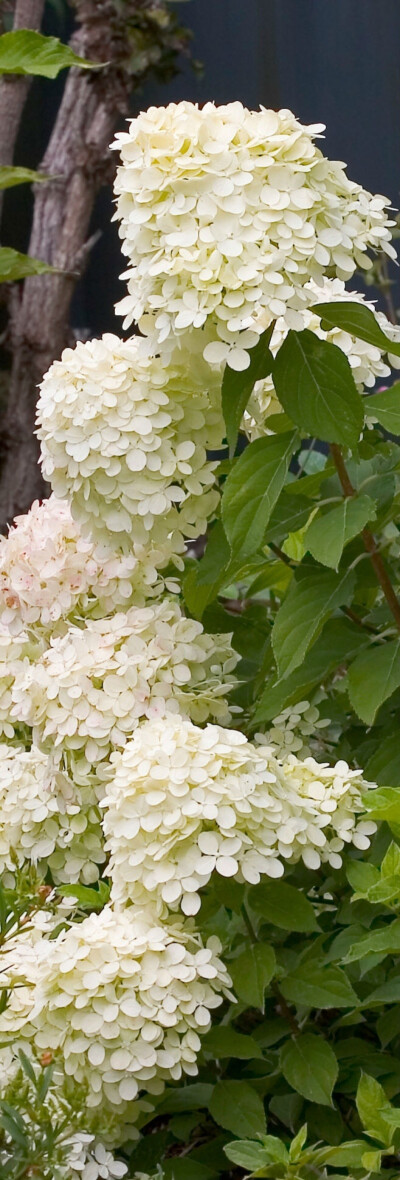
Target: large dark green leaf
{"x": 385, "y": 407}
{"x": 338, "y": 642}
{"x": 331, "y": 531}
{"x": 236, "y": 1107}
{"x": 383, "y": 766}
{"x": 251, "y": 973}
{"x": 356, "y": 319}
{"x": 318, "y": 986}
{"x": 309, "y": 1065}
{"x": 283, "y": 905}
{"x": 225, "y": 1041}
{"x": 237, "y": 387}
{"x": 252, "y": 489}
{"x": 312, "y": 597}
{"x": 373, "y": 678}
{"x": 23, "y": 51}
{"x": 316, "y": 387}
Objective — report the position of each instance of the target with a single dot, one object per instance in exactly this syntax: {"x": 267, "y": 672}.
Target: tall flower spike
{"x": 225, "y": 214}
{"x": 121, "y": 1000}
{"x": 186, "y": 801}
{"x": 92, "y": 687}
{"x": 124, "y": 436}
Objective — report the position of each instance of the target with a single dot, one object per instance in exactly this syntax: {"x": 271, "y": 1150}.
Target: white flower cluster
{"x": 16, "y": 655}
{"x": 295, "y": 730}
{"x": 90, "y": 1160}
{"x": 92, "y": 687}
{"x": 44, "y": 818}
{"x": 366, "y": 360}
{"x": 124, "y": 436}
{"x": 227, "y": 213}
{"x": 185, "y": 802}
{"x": 120, "y": 1000}
{"x": 49, "y": 571}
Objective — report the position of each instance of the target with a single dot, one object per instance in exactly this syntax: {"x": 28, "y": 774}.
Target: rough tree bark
{"x": 78, "y": 160}
{"x": 13, "y": 88}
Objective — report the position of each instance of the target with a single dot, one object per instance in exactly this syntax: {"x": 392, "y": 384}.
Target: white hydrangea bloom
{"x": 366, "y": 360}
{"x": 44, "y": 818}
{"x": 92, "y": 686}
{"x": 16, "y": 656}
{"x": 49, "y": 570}
{"x": 295, "y": 730}
{"x": 227, "y": 213}
{"x": 124, "y": 437}
{"x": 86, "y": 1159}
{"x": 186, "y": 801}
{"x": 120, "y": 1001}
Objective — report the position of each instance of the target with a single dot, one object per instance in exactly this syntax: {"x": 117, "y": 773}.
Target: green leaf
{"x": 237, "y": 387}
{"x": 384, "y": 765}
{"x": 246, "y": 1153}
{"x": 315, "y": 985}
{"x": 224, "y": 1041}
{"x": 192, "y": 1097}
{"x": 316, "y": 387}
{"x": 14, "y": 266}
{"x": 385, "y": 941}
{"x": 87, "y": 898}
{"x": 385, "y": 407}
{"x": 23, "y": 51}
{"x": 338, "y": 642}
{"x": 11, "y": 176}
{"x": 251, "y": 490}
{"x": 373, "y": 677}
{"x": 236, "y": 1107}
{"x": 312, "y": 597}
{"x": 331, "y": 531}
{"x": 251, "y": 973}
{"x": 309, "y": 1065}
{"x": 356, "y": 319}
{"x": 373, "y": 1108}
{"x": 383, "y": 804}
{"x": 283, "y": 905}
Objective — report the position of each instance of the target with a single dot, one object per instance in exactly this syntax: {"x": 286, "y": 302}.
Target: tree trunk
{"x": 13, "y": 88}
{"x": 77, "y": 158}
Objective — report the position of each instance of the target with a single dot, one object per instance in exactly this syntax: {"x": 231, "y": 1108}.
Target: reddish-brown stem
{"x": 368, "y": 538}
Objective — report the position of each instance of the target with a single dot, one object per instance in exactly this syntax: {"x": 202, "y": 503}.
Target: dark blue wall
{"x": 331, "y": 61}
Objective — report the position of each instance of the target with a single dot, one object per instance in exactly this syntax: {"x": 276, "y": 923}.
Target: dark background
{"x": 330, "y": 61}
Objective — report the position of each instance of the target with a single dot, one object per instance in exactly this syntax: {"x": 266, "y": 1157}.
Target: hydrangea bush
{"x": 199, "y": 688}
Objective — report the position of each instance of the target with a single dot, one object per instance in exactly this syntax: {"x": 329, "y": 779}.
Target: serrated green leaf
{"x": 373, "y": 678}
{"x": 283, "y": 905}
{"x": 193, "y": 1097}
{"x": 329, "y": 532}
{"x": 384, "y": 765}
{"x": 225, "y": 1041}
{"x": 251, "y": 490}
{"x": 236, "y": 1107}
{"x": 316, "y": 387}
{"x": 309, "y": 1065}
{"x": 358, "y": 320}
{"x": 312, "y": 597}
{"x": 319, "y": 986}
{"x": 373, "y": 1108}
{"x": 237, "y": 387}
{"x": 24, "y": 51}
{"x": 247, "y": 1153}
{"x": 383, "y": 804}
{"x": 385, "y": 407}
{"x": 385, "y": 941}
{"x": 338, "y": 642}
{"x": 15, "y": 266}
{"x": 10, "y": 176}
{"x": 251, "y": 973}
